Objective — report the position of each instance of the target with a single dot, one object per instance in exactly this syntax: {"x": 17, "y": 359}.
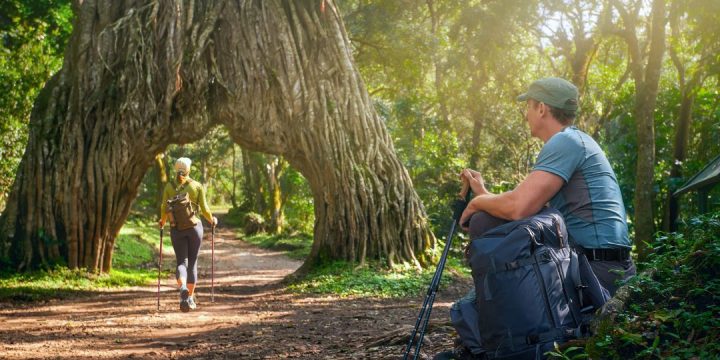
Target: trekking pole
{"x": 426, "y": 309}
{"x": 159, "y": 269}
{"x": 212, "y": 265}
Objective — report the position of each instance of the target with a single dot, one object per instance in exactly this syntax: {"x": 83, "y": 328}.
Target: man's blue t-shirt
{"x": 590, "y": 200}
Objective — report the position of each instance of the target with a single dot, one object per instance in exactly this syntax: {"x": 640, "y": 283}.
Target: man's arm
{"x": 526, "y": 199}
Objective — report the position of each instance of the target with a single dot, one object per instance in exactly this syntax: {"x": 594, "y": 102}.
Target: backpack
{"x": 530, "y": 290}
{"x": 182, "y": 215}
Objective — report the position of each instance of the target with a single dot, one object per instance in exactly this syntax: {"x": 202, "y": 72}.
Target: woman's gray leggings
{"x": 186, "y": 244}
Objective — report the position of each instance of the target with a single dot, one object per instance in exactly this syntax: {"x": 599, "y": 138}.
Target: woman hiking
{"x": 181, "y": 200}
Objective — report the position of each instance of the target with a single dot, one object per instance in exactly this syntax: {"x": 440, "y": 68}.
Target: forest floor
{"x": 253, "y": 316}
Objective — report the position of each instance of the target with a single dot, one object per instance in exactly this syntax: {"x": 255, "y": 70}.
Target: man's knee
{"x": 481, "y": 222}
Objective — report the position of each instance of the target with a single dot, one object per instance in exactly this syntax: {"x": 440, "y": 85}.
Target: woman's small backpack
{"x": 182, "y": 215}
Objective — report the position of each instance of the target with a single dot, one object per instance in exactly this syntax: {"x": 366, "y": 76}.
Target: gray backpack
{"x": 529, "y": 291}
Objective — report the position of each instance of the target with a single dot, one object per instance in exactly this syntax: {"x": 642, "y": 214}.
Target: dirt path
{"x": 252, "y": 317}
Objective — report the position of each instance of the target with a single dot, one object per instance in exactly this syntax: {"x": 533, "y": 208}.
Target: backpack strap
{"x": 574, "y": 271}
{"x": 542, "y": 258}
{"x": 561, "y": 334}
{"x": 560, "y": 236}
{"x": 182, "y": 188}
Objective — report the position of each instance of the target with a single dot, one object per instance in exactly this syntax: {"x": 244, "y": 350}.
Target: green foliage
{"x": 299, "y": 209}
{"x": 60, "y": 282}
{"x": 374, "y": 280}
{"x": 438, "y": 71}
{"x": 296, "y": 246}
{"x": 570, "y": 353}
{"x": 137, "y": 245}
{"x": 134, "y": 264}
{"x": 32, "y": 38}
{"x": 673, "y": 314}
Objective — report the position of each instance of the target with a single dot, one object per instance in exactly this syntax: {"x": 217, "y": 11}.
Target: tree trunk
{"x": 688, "y": 92}
{"x": 254, "y": 188}
{"x": 324, "y": 124}
{"x": 585, "y": 49}
{"x": 444, "y": 116}
{"x": 478, "y": 121}
{"x": 275, "y": 168}
{"x": 204, "y": 178}
{"x": 233, "y": 194}
{"x": 478, "y": 116}
{"x": 161, "y": 179}
{"x": 682, "y": 134}
{"x": 645, "y": 100}
{"x": 141, "y": 75}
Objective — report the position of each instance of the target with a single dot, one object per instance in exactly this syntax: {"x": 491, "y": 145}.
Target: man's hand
{"x": 466, "y": 215}
{"x": 475, "y": 180}
{"x": 214, "y": 221}
{"x": 161, "y": 222}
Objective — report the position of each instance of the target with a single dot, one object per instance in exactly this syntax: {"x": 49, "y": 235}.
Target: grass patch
{"x": 134, "y": 264}
{"x": 61, "y": 282}
{"x": 343, "y": 279}
{"x": 296, "y": 246}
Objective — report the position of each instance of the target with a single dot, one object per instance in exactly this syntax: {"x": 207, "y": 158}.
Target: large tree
{"x": 140, "y": 75}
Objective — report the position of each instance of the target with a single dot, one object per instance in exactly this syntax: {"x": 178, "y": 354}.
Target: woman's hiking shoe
{"x": 184, "y": 302}
{"x": 191, "y": 303}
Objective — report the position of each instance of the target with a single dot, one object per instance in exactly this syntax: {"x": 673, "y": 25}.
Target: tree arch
{"x": 140, "y": 75}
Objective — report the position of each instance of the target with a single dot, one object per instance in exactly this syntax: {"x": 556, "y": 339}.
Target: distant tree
{"x": 645, "y": 68}
{"x": 262, "y": 189}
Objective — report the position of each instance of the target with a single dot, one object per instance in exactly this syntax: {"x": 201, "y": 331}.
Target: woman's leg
{"x": 195, "y": 236}
{"x": 180, "y": 246}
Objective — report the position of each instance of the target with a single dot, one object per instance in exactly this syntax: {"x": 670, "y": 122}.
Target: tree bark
{"x": 254, "y": 187}
{"x": 688, "y": 91}
{"x": 438, "y": 68}
{"x": 646, "y": 98}
{"x": 478, "y": 116}
{"x": 275, "y": 169}
{"x": 233, "y": 194}
{"x": 682, "y": 134}
{"x": 139, "y": 75}
{"x": 647, "y": 78}
{"x": 364, "y": 202}
{"x": 162, "y": 178}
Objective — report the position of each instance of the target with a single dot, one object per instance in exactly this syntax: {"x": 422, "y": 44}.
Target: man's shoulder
{"x": 568, "y": 139}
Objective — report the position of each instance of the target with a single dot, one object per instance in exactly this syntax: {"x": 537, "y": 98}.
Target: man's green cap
{"x": 556, "y": 92}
